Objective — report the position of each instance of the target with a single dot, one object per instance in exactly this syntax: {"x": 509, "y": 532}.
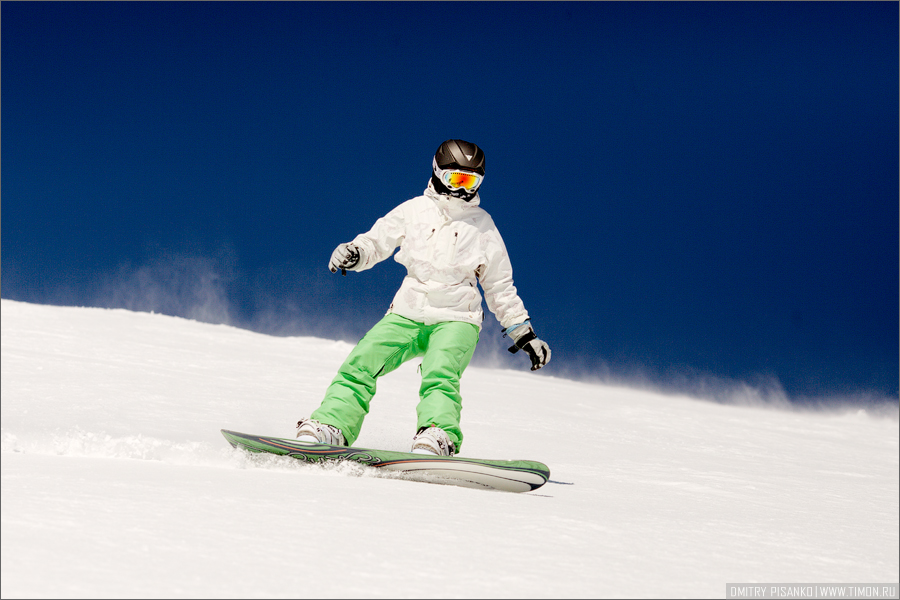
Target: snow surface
{"x": 117, "y": 483}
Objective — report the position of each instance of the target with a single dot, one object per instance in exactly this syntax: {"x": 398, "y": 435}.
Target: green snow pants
{"x": 446, "y": 349}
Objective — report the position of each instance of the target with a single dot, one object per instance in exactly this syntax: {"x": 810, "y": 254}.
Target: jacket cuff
{"x": 516, "y": 332}
{"x": 362, "y": 263}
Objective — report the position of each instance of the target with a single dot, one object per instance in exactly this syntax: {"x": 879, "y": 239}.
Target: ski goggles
{"x": 459, "y": 180}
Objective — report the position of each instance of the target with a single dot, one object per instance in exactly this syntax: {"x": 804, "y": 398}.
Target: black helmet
{"x": 457, "y": 155}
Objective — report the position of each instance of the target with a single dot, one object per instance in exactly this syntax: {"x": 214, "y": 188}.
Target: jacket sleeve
{"x": 380, "y": 242}
{"x": 496, "y": 280}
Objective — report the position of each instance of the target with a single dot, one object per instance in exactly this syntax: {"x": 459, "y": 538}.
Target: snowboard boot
{"x": 432, "y": 440}
{"x": 310, "y": 430}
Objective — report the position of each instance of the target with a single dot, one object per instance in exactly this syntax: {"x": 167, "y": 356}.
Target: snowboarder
{"x": 448, "y": 245}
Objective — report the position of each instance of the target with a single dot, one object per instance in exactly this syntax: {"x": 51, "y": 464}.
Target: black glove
{"x": 344, "y": 257}
{"x": 524, "y": 339}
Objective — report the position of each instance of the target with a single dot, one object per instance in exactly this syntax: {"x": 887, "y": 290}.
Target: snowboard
{"x": 504, "y": 475}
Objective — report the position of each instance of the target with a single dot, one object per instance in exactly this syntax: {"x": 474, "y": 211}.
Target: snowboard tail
{"x": 505, "y": 475}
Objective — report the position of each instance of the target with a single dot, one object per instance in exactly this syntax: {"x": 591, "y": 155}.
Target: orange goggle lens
{"x": 460, "y": 179}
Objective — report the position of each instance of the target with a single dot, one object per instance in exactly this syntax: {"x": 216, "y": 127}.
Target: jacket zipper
{"x": 454, "y": 246}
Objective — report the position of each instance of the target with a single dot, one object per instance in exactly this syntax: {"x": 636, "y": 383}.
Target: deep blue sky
{"x": 685, "y": 189}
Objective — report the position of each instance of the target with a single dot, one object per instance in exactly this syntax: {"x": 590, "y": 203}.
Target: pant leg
{"x": 386, "y": 346}
{"x": 449, "y": 350}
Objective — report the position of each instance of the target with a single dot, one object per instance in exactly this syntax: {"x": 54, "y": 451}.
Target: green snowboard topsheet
{"x": 505, "y": 475}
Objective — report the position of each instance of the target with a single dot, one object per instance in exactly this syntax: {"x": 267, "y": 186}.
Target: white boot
{"x": 310, "y": 430}
{"x": 433, "y": 440}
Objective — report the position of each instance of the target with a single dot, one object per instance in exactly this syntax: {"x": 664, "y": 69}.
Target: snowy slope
{"x": 117, "y": 483}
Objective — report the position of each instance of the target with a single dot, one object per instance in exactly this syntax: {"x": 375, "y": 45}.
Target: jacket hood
{"x": 450, "y": 204}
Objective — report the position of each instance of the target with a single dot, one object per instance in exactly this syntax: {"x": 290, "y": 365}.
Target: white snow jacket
{"x": 447, "y": 246}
